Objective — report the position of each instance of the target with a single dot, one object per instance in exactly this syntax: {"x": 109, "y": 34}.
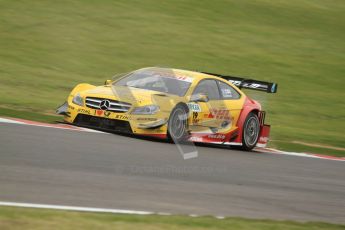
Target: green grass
{"x": 33, "y": 116}
{"x": 26, "y": 218}
{"x": 287, "y": 146}
{"x": 47, "y": 47}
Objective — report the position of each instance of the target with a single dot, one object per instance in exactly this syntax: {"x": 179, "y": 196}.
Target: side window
{"x": 208, "y": 87}
{"x": 227, "y": 91}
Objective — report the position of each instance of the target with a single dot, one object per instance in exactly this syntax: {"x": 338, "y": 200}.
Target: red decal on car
{"x": 99, "y": 112}
{"x": 219, "y": 114}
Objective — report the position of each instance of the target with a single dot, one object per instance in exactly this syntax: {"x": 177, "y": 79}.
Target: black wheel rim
{"x": 178, "y": 124}
{"x": 251, "y": 131}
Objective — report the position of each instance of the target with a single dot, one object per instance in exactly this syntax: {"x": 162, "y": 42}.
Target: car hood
{"x": 131, "y": 95}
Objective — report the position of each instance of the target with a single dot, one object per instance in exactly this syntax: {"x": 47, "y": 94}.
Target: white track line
{"x": 55, "y": 126}
{"x": 5, "y": 120}
{"x": 76, "y": 208}
{"x": 310, "y": 155}
{"x": 88, "y": 209}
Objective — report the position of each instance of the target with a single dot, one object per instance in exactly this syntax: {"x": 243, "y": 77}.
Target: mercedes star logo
{"x": 105, "y": 104}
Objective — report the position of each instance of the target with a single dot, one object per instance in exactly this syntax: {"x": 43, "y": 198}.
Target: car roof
{"x": 180, "y": 72}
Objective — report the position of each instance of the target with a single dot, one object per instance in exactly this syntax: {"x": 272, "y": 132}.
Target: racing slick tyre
{"x": 178, "y": 124}
{"x": 251, "y": 130}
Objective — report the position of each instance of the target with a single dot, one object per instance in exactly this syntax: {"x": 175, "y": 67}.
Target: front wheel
{"x": 178, "y": 123}
{"x": 250, "y": 133}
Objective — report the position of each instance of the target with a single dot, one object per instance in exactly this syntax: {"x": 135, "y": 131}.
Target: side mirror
{"x": 200, "y": 97}
{"x": 107, "y": 82}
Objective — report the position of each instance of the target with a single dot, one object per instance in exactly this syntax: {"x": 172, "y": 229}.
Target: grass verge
{"x": 27, "y": 218}
{"x": 288, "y": 146}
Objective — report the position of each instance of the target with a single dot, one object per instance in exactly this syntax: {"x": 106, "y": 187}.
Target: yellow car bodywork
{"x": 141, "y": 97}
{"x": 214, "y": 121}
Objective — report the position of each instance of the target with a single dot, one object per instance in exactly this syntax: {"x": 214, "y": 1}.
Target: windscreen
{"x": 157, "y": 79}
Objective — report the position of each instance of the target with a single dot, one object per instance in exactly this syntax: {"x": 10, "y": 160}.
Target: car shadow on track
{"x": 160, "y": 140}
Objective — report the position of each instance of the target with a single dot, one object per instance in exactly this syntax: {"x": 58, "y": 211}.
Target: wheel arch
{"x": 249, "y": 106}
{"x": 185, "y": 106}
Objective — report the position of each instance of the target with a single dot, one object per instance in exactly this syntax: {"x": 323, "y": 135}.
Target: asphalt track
{"x": 64, "y": 167}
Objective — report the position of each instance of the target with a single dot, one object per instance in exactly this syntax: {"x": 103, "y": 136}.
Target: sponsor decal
{"x": 86, "y": 111}
{"x": 146, "y": 119}
{"x": 169, "y": 74}
{"x": 122, "y": 117}
{"x": 194, "y": 107}
{"x": 226, "y": 93}
{"x": 219, "y": 114}
{"x": 237, "y": 83}
{"x": 263, "y": 139}
{"x": 247, "y": 85}
{"x": 99, "y": 112}
{"x": 216, "y": 136}
{"x": 71, "y": 107}
{"x": 253, "y": 85}
{"x": 197, "y": 139}
{"x": 195, "y": 119}
{"x": 107, "y": 113}
{"x": 184, "y": 78}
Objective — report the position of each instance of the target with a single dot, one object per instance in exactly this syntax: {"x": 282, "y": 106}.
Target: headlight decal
{"x": 78, "y": 100}
{"x": 146, "y": 110}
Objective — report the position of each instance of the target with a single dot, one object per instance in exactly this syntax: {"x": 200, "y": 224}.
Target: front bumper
{"x": 151, "y": 125}
{"x": 102, "y": 123}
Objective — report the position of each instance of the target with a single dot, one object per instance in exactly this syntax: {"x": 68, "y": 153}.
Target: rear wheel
{"x": 178, "y": 123}
{"x": 251, "y": 130}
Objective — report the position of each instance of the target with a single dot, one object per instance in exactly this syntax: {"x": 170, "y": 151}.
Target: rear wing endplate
{"x": 246, "y": 83}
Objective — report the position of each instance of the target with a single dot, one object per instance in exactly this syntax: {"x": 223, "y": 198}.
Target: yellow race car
{"x": 174, "y": 104}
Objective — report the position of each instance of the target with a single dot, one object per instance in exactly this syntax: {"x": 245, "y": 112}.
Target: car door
{"x": 208, "y": 116}
{"x": 232, "y": 101}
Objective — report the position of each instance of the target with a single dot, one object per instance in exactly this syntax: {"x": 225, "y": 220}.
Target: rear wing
{"x": 246, "y": 83}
